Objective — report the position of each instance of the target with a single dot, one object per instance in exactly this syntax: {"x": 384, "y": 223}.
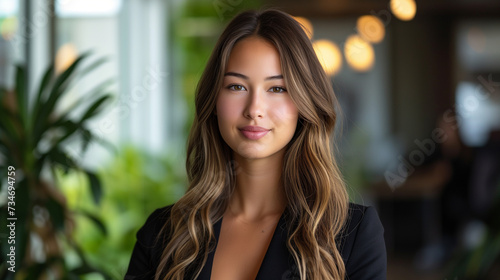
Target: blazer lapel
{"x": 206, "y": 272}
{"x": 278, "y": 263}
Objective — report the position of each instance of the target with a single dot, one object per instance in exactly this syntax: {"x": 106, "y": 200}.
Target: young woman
{"x": 266, "y": 199}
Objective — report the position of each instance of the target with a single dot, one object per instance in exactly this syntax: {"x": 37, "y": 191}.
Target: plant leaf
{"x": 56, "y": 155}
{"x": 100, "y": 225}
{"x": 45, "y": 81}
{"x": 41, "y": 90}
{"x": 89, "y": 68}
{"x": 85, "y": 267}
{"x": 70, "y": 127}
{"x": 96, "y": 91}
{"x": 21, "y": 94}
{"x": 89, "y": 136}
{"x": 8, "y": 126}
{"x": 58, "y": 89}
{"x": 93, "y": 109}
{"x": 105, "y": 143}
{"x": 95, "y": 186}
{"x": 2, "y": 93}
{"x": 94, "y": 65}
{"x": 56, "y": 211}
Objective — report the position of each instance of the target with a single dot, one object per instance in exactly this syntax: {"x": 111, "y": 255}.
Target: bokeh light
{"x": 371, "y": 29}
{"x": 404, "y": 9}
{"x": 359, "y": 53}
{"x": 329, "y": 56}
{"x": 65, "y": 56}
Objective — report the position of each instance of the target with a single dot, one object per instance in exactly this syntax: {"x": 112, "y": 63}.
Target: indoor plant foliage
{"x": 33, "y": 137}
{"x": 136, "y": 182}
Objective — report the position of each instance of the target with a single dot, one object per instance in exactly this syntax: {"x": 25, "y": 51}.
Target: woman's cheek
{"x": 285, "y": 112}
{"x": 228, "y": 108}
{"x": 228, "y": 111}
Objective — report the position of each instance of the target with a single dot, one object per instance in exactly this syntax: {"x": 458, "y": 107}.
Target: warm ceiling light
{"x": 371, "y": 28}
{"x": 65, "y": 56}
{"x": 404, "y": 9}
{"x": 359, "y": 53}
{"x": 306, "y": 25}
{"x": 329, "y": 56}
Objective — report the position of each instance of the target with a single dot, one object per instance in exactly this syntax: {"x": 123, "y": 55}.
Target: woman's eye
{"x": 236, "y": 87}
{"x": 278, "y": 89}
{"x": 240, "y": 87}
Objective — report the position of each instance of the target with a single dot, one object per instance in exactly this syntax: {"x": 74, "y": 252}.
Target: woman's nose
{"x": 255, "y": 106}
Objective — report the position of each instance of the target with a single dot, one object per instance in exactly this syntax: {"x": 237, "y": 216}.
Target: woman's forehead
{"x": 254, "y": 57}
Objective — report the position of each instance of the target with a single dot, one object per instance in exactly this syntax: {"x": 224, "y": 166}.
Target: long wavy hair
{"x": 317, "y": 201}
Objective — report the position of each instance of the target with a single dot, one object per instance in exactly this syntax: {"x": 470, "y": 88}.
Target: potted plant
{"x": 33, "y": 138}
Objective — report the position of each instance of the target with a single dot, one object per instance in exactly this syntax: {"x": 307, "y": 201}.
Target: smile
{"x": 254, "y": 135}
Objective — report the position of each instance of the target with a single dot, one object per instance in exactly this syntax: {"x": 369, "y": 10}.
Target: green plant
{"x": 135, "y": 184}
{"x": 33, "y": 136}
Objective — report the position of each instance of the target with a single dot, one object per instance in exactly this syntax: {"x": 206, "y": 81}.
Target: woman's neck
{"x": 258, "y": 192}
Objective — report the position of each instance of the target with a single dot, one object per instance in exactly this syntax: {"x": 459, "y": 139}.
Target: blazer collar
{"x": 278, "y": 263}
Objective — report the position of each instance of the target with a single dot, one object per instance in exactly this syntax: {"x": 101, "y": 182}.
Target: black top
{"x": 361, "y": 246}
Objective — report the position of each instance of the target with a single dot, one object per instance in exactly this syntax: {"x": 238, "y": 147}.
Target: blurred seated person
{"x": 444, "y": 177}
{"x": 486, "y": 179}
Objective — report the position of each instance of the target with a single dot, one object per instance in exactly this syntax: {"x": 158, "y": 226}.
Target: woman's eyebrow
{"x": 276, "y": 77}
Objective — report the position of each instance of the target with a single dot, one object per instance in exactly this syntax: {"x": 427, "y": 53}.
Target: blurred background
{"x": 97, "y": 140}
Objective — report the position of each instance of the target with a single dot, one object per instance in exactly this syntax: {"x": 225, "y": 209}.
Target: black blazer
{"x": 362, "y": 248}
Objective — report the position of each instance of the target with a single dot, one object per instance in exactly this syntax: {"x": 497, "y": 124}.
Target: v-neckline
{"x": 217, "y": 229}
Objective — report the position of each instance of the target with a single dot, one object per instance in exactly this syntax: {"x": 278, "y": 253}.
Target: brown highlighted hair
{"x": 317, "y": 200}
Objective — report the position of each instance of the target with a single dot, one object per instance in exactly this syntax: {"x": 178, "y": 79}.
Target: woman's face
{"x": 254, "y": 94}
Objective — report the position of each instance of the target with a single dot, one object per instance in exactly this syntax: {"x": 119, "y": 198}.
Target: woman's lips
{"x": 254, "y": 135}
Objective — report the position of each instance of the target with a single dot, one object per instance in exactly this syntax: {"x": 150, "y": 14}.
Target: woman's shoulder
{"x": 362, "y": 243}
{"x": 148, "y": 232}
{"x": 356, "y": 214}
{"x": 361, "y": 220}
{"x": 160, "y": 214}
